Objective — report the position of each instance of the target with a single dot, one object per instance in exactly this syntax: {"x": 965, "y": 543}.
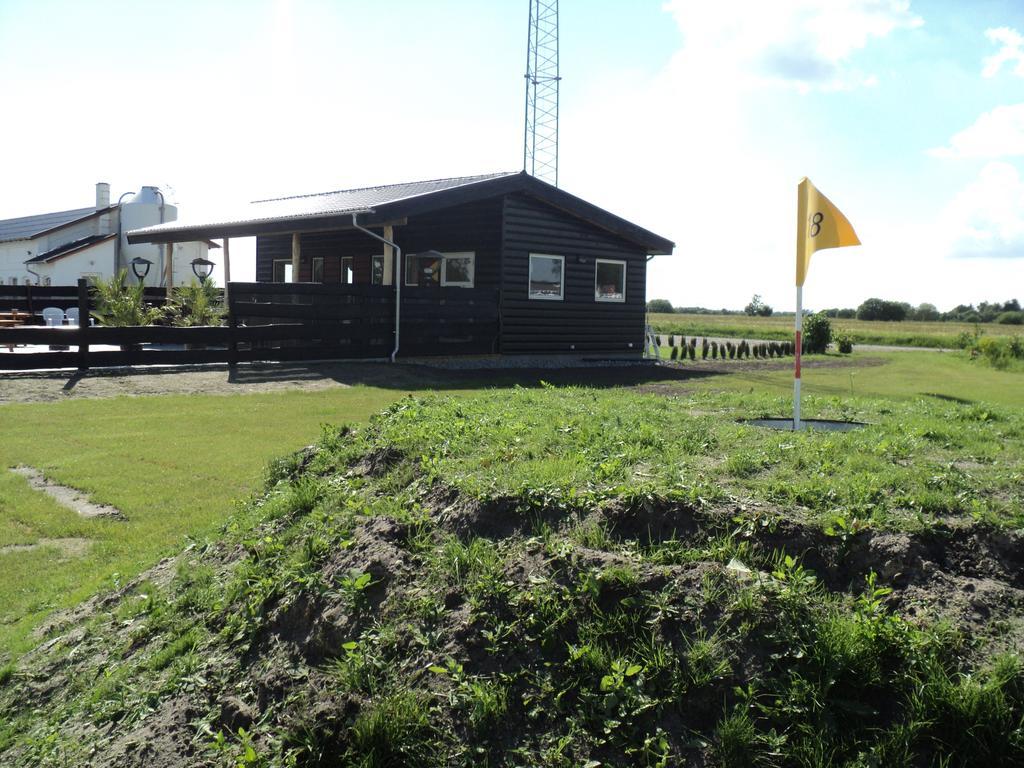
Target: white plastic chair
{"x": 53, "y": 316}
{"x": 71, "y": 313}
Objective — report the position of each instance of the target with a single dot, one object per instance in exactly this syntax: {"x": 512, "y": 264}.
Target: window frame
{"x": 284, "y": 275}
{"x": 529, "y": 278}
{"x": 410, "y": 259}
{"x": 383, "y": 268}
{"x": 343, "y": 277}
{"x": 312, "y": 269}
{"x": 625, "y": 269}
{"x": 445, "y": 282}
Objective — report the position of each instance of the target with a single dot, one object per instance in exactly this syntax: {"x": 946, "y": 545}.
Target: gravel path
{"x": 182, "y": 380}
{"x": 34, "y": 387}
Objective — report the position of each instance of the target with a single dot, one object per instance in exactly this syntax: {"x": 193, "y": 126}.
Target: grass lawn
{"x": 174, "y": 465}
{"x": 907, "y": 333}
{"x": 565, "y": 576}
{"x": 901, "y": 375}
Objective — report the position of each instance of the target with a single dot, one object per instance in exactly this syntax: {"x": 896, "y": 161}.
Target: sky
{"x": 693, "y": 119}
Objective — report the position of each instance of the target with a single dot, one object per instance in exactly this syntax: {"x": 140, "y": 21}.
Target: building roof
{"x": 26, "y": 227}
{"x": 388, "y": 203}
{"x": 68, "y": 248}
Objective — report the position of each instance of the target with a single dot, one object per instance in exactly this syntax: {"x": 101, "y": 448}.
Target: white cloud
{"x": 717, "y": 169}
{"x": 1011, "y": 52}
{"x": 804, "y": 44}
{"x": 986, "y": 219}
{"x": 999, "y": 133}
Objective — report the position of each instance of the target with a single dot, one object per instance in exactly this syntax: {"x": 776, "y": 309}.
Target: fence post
{"x": 28, "y": 299}
{"x": 83, "y": 324}
{"x": 229, "y": 295}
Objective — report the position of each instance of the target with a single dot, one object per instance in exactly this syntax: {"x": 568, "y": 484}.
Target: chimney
{"x": 102, "y": 195}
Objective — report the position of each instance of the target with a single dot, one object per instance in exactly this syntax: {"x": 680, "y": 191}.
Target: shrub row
{"x": 726, "y": 350}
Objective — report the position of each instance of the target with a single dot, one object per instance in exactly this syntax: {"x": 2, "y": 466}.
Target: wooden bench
{"x": 13, "y": 319}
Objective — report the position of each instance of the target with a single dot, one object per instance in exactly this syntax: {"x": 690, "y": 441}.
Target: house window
{"x": 282, "y": 270}
{"x": 377, "y": 270}
{"x": 318, "y": 269}
{"x": 547, "y": 276}
{"x": 422, "y": 270}
{"x": 346, "y": 270}
{"x": 457, "y": 270}
{"x": 609, "y": 280}
{"x": 451, "y": 270}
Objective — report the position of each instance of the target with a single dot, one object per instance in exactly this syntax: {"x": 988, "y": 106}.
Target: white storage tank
{"x": 145, "y": 208}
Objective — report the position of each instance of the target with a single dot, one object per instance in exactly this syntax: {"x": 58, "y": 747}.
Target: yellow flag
{"x": 819, "y": 225}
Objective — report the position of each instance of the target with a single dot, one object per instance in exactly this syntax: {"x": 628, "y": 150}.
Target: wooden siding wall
{"x": 503, "y": 231}
{"x": 578, "y": 323}
{"x": 473, "y": 227}
{"x": 329, "y": 245}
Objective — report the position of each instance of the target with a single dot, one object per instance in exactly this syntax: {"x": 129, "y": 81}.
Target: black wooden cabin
{"x": 555, "y": 273}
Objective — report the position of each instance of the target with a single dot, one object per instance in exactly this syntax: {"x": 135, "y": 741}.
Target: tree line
{"x": 1005, "y": 312}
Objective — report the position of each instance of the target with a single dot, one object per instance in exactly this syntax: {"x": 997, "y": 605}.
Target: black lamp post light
{"x": 140, "y": 267}
{"x": 203, "y": 268}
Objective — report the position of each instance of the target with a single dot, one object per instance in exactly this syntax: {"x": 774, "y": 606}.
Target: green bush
{"x": 199, "y": 303}
{"x": 845, "y": 345}
{"x": 1011, "y": 318}
{"x": 968, "y": 340}
{"x": 817, "y": 333}
{"x": 1000, "y": 351}
{"x": 879, "y": 309}
{"x": 119, "y": 304}
{"x": 660, "y": 305}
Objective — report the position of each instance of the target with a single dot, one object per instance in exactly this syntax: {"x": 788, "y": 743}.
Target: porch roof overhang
{"x": 393, "y": 204}
{"x": 178, "y": 232}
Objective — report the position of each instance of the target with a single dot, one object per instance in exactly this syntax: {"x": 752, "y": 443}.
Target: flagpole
{"x": 799, "y": 349}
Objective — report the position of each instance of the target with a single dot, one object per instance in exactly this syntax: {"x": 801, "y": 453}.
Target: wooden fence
{"x": 273, "y": 322}
{"x": 34, "y": 298}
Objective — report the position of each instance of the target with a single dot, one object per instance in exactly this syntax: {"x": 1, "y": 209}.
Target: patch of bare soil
{"x": 67, "y": 497}
{"x": 971, "y": 576}
{"x": 69, "y": 547}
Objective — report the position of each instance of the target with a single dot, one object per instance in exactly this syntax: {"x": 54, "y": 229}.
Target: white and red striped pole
{"x": 799, "y": 349}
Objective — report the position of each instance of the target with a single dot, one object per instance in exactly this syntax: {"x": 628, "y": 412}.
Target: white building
{"x": 58, "y": 248}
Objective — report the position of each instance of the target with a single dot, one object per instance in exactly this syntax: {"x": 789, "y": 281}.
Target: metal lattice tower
{"x": 540, "y": 143}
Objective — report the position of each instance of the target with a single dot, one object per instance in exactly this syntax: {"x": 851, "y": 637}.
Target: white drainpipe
{"x": 396, "y": 276}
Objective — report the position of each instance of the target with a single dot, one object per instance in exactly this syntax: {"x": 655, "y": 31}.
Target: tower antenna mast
{"x": 540, "y": 135}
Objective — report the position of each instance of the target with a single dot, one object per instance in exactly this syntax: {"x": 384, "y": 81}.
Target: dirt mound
{"x": 358, "y": 618}
{"x": 647, "y": 520}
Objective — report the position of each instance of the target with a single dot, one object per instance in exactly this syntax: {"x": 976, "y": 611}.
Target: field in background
{"x": 908, "y": 333}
